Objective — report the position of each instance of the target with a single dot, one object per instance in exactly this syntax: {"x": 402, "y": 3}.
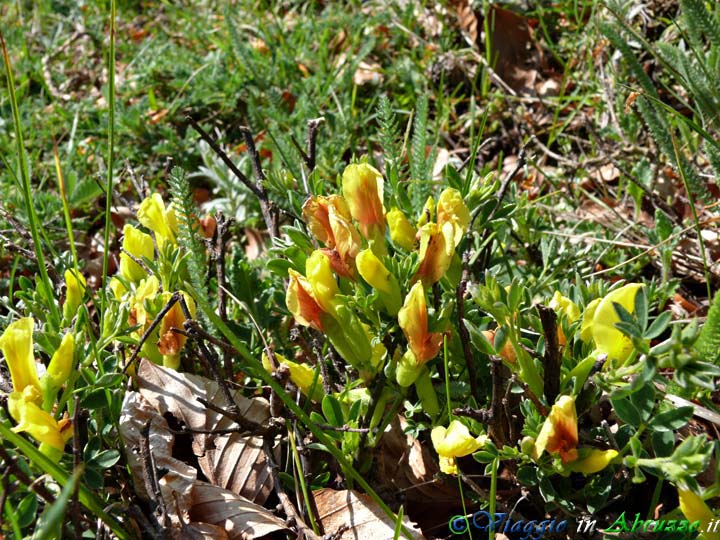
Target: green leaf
{"x": 333, "y": 411}
{"x": 671, "y": 420}
{"x": 478, "y": 339}
{"x": 105, "y": 459}
{"x": 644, "y": 401}
{"x": 663, "y": 443}
{"x": 659, "y": 325}
{"x": 626, "y": 411}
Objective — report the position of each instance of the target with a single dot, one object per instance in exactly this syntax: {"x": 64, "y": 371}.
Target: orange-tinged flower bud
{"x": 507, "y": 352}
{"x": 559, "y": 434}
{"x": 17, "y": 346}
{"x": 436, "y": 252}
{"x": 451, "y": 209}
{"x": 301, "y": 302}
{"x": 329, "y": 220}
{"x": 453, "y": 442}
{"x": 413, "y": 319}
{"x": 171, "y": 343}
{"x": 363, "y": 191}
{"x": 402, "y": 232}
{"x": 139, "y": 245}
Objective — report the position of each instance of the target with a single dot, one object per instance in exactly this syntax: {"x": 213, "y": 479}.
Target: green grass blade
{"x": 51, "y": 521}
{"x": 25, "y": 177}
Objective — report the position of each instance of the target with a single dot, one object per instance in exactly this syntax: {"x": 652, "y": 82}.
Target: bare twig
{"x": 151, "y": 479}
{"x": 463, "y": 331}
{"x": 12, "y": 468}
{"x": 498, "y": 376}
{"x": 292, "y": 514}
{"x": 552, "y": 360}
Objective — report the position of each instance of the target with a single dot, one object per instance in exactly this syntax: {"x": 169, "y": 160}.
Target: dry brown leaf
{"x": 240, "y": 518}
{"x": 514, "y": 50}
{"x": 365, "y": 519}
{"x": 232, "y": 461}
{"x": 178, "y": 482}
{"x": 213, "y": 513}
{"x": 239, "y": 464}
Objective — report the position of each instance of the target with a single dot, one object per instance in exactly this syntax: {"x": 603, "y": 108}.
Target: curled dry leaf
{"x": 197, "y": 510}
{"x": 357, "y": 512}
{"x": 232, "y": 461}
{"x": 240, "y": 518}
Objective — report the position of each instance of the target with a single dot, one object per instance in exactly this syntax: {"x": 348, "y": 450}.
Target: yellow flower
{"x": 60, "y": 366}
{"x": 39, "y": 424}
{"x": 320, "y": 277}
{"x": 452, "y": 209}
{"x": 301, "y": 376}
{"x": 591, "y": 460}
{"x": 559, "y": 434}
{"x": 608, "y": 339}
{"x": 17, "y": 346}
{"x": 436, "y": 251}
{"x": 694, "y": 509}
{"x": 139, "y": 245}
{"x": 153, "y": 215}
{"x": 329, "y": 219}
{"x": 301, "y": 301}
{"x": 373, "y": 271}
{"x": 362, "y": 187}
{"x": 312, "y": 301}
{"x": 453, "y": 442}
{"x": 117, "y": 288}
{"x": 75, "y": 285}
{"x": 422, "y": 344}
{"x": 170, "y": 343}
{"x": 402, "y": 232}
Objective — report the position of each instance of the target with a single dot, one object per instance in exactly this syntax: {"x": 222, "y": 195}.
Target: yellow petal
{"x": 322, "y": 281}
{"x": 591, "y": 460}
{"x": 75, "y": 292}
{"x": 61, "y": 364}
{"x": 563, "y": 305}
{"x": 413, "y": 320}
{"x": 373, "y": 271}
{"x": 453, "y": 442}
{"x": 451, "y": 209}
{"x": 402, "y": 232}
{"x": 694, "y": 509}
{"x": 153, "y": 215}
{"x": 436, "y": 251}
{"x": 587, "y": 322}
{"x": 17, "y": 346}
{"x": 33, "y": 420}
{"x": 608, "y": 339}
{"x": 362, "y": 187}
{"x": 427, "y": 214}
{"x": 301, "y": 302}
{"x": 139, "y": 245}
{"x": 559, "y": 434}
